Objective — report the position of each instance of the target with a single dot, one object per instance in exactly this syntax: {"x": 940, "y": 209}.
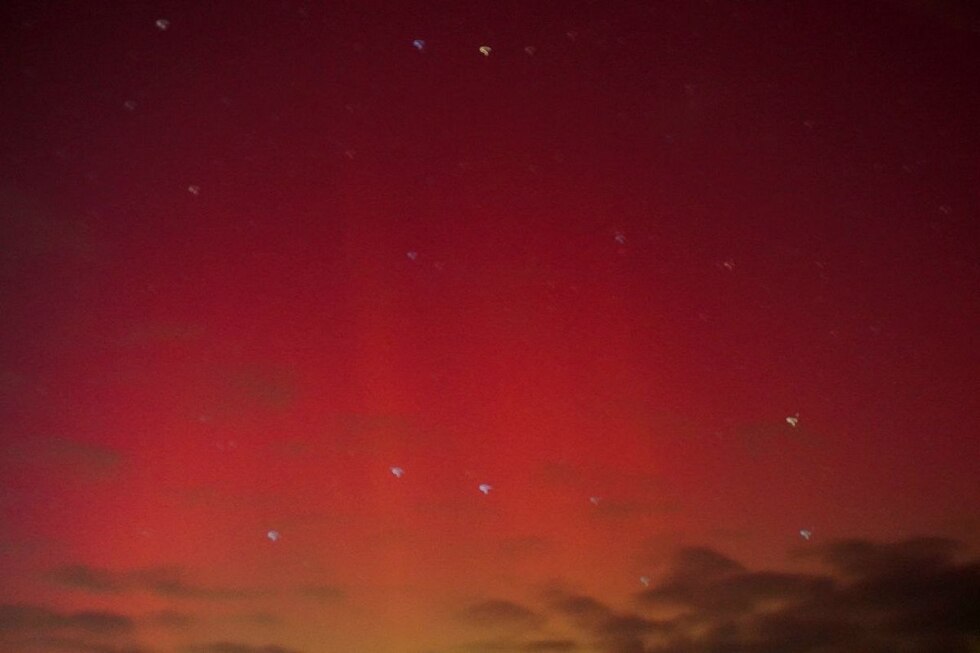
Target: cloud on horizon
{"x": 33, "y": 627}
{"x": 913, "y": 596}
{"x": 18, "y": 617}
{"x": 74, "y": 645}
{"x": 509, "y": 645}
{"x": 919, "y": 595}
{"x": 163, "y": 581}
{"x": 27, "y": 627}
{"x": 497, "y": 613}
{"x": 237, "y": 647}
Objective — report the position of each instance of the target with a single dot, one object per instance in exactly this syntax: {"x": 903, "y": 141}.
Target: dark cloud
{"x": 545, "y": 645}
{"x": 583, "y": 609}
{"x": 38, "y": 628}
{"x": 21, "y": 617}
{"x": 74, "y": 645}
{"x": 738, "y": 592}
{"x": 98, "y": 622}
{"x": 858, "y": 558}
{"x": 701, "y": 563}
{"x": 512, "y": 645}
{"x": 913, "y": 596}
{"x": 169, "y": 582}
{"x": 495, "y": 613}
{"x": 236, "y": 647}
{"x": 88, "y": 578}
{"x": 57, "y": 455}
{"x": 163, "y": 581}
{"x": 627, "y": 627}
{"x": 609, "y": 629}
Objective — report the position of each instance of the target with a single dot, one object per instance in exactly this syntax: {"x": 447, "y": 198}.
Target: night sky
{"x": 504, "y": 327}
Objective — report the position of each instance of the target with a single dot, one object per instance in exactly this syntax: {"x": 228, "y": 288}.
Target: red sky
{"x": 258, "y": 254}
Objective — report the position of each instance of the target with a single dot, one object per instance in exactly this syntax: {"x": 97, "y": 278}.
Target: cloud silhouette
{"x": 88, "y": 578}
{"x": 236, "y": 647}
{"x": 499, "y": 613}
{"x": 544, "y": 645}
{"x": 56, "y": 455}
{"x": 75, "y": 645}
{"x": 26, "y": 627}
{"x": 163, "y": 581}
{"x": 857, "y": 558}
{"x": 169, "y": 581}
{"x": 583, "y": 609}
{"x": 512, "y": 645}
{"x": 702, "y": 563}
{"x": 912, "y": 596}
{"x": 20, "y": 617}
{"x": 607, "y": 629}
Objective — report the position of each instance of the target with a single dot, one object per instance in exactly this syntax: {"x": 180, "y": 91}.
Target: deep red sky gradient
{"x": 610, "y": 266}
